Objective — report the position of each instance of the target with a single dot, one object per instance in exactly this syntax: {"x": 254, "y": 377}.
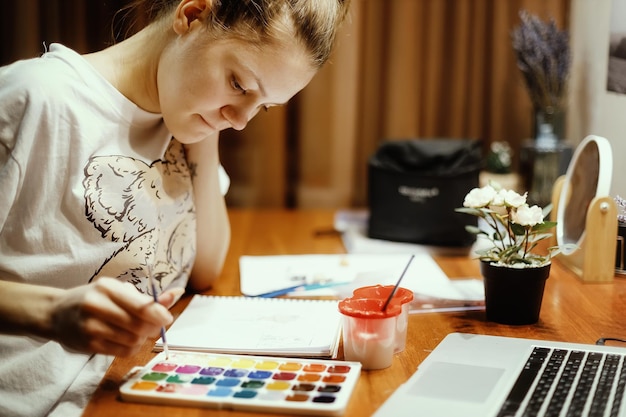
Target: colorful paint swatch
{"x": 241, "y": 382}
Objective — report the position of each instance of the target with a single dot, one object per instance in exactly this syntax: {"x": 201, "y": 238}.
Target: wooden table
{"x": 571, "y": 311}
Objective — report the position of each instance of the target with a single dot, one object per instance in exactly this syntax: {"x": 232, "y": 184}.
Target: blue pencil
{"x": 299, "y": 287}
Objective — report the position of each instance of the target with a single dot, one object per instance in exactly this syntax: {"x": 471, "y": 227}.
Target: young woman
{"x": 110, "y": 176}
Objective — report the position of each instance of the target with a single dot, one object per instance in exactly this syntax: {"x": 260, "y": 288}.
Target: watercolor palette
{"x": 244, "y": 382}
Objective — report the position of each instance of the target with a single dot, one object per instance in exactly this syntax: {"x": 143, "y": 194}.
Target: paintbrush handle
{"x": 398, "y": 283}
{"x": 156, "y": 300}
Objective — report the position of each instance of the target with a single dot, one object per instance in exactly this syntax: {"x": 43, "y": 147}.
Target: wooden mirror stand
{"x": 594, "y": 261}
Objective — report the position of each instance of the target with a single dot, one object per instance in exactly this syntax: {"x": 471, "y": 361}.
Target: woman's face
{"x": 208, "y": 86}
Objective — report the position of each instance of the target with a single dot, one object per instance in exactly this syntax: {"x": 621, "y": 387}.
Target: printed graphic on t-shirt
{"x": 148, "y": 209}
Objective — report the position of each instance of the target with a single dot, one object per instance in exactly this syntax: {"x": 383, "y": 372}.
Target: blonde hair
{"x": 312, "y": 23}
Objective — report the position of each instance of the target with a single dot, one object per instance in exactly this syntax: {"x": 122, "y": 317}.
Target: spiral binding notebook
{"x": 257, "y": 326}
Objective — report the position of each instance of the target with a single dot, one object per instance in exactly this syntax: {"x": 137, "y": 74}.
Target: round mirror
{"x": 588, "y": 175}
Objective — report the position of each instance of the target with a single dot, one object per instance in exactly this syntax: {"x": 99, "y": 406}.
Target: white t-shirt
{"x": 90, "y": 185}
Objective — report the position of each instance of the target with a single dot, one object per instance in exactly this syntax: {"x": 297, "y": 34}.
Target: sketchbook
{"x": 257, "y": 326}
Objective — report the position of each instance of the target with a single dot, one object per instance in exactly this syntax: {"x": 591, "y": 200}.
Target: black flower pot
{"x": 513, "y": 295}
{"x": 620, "y": 249}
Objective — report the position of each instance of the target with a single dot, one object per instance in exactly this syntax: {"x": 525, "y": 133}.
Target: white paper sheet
{"x": 262, "y": 274}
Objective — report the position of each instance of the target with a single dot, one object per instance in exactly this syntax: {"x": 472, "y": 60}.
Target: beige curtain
{"x": 401, "y": 69}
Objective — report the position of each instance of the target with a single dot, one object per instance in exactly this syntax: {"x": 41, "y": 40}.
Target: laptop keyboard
{"x": 563, "y": 382}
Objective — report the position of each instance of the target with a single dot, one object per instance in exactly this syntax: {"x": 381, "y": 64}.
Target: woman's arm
{"x": 107, "y": 316}
{"x": 213, "y": 226}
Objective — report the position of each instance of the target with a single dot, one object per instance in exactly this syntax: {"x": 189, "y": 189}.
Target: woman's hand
{"x": 108, "y": 316}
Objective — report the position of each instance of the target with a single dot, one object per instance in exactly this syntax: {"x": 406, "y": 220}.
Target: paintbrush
{"x": 397, "y": 283}
{"x": 154, "y": 295}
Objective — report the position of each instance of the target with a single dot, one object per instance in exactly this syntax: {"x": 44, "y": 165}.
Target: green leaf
{"x": 511, "y": 250}
{"x": 473, "y": 229}
{"x": 543, "y": 226}
{"x": 518, "y": 229}
{"x": 539, "y": 236}
{"x": 470, "y": 210}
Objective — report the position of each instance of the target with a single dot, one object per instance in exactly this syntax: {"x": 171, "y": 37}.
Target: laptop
{"x": 472, "y": 375}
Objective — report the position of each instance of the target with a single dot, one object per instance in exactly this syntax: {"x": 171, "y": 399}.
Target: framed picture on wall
{"x": 616, "y": 68}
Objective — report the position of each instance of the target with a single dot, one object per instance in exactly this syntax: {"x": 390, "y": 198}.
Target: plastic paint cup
{"x": 369, "y": 333}
{"x": 402, "y": 295}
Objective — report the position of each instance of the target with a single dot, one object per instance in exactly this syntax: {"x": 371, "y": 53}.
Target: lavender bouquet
{"x": 543, "y": 56}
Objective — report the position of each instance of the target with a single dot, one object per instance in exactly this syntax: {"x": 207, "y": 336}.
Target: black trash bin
{"x": 415, "y": 185}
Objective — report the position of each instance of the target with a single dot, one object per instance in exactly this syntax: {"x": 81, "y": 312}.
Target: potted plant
{"x": 514, "y": 272}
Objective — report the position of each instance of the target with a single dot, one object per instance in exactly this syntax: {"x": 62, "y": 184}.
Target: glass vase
{"x": 545, "y": 157}
{"x": 554, "y": 118}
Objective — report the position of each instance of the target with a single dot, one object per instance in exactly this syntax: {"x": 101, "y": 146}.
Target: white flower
{"x": 513, "y": 227}
{"x": 527, "y": 216}
{"x": 511, "y": 198}
{"x": 497, "y": 204}
{"x": 498, "y": 200}
{"x": 480, "y": 197}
